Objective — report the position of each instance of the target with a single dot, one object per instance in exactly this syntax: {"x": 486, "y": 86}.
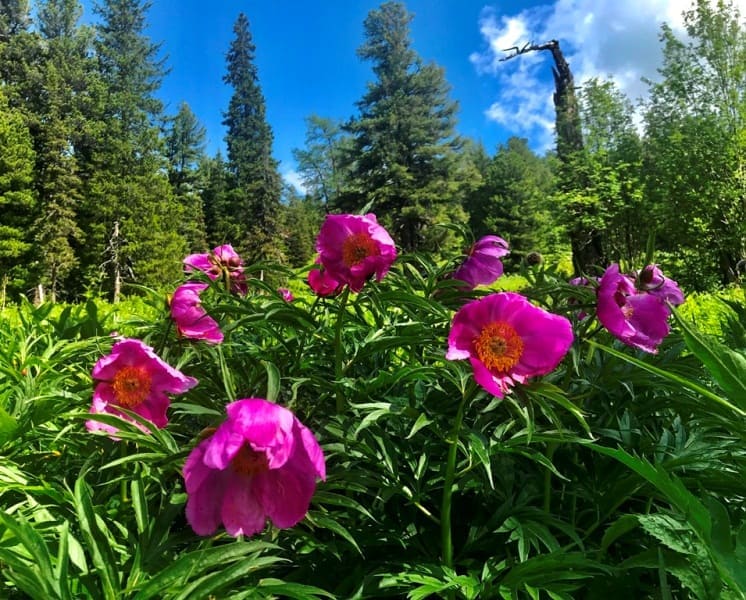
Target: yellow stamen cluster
{"x": 357, "y": 247}
{"x": 499, "y": 346}
{"x": 131, "y": 386}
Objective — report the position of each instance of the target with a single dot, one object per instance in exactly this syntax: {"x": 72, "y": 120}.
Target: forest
{"x": 94, "y": 174}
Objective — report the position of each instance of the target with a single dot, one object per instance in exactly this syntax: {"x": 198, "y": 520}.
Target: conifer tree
{"x": 57, "y": 115}
{"x": 129, "y": 189}
{"x": 403, "y": 160}
{"x": 185, "y": 147}
{"x": 14, "y": 18}
{"x": 249, "y": 216}
{"x": 17, "y": 198}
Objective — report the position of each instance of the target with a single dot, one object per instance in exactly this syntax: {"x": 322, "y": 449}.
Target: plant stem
{"x": 341, "y": 402}
{"x": 450, "y": 475}
{"x": 551, "y": 447}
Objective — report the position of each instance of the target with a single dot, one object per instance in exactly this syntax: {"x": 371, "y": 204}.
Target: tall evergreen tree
{"x": 403, "y": 159}
{"x": 128, "y": 191}
{"x": 14, "y": 18}
{"x": 252, "y": 204}
{"x": 17, "y": 198}
{"x": 58, "y": 111}
{"x": 320, "y": 163}
{"x": 185, "y": 148}
{"x": 513, "y": 200}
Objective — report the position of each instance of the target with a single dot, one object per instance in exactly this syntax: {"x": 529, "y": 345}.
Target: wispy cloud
{"x": 293, "y": 178}
{"x": 600, "y": 38}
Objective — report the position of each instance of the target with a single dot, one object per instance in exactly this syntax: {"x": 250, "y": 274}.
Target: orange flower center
{"x": 499, "y": 346}
{"x": 357, "y": 247}
{"x": 249, "y": 461}
{"x": 131, "y": 386}
{"x": 627, "y": 311}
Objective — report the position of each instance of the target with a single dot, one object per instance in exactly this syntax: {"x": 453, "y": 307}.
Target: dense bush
{"x": 619, "y": 475}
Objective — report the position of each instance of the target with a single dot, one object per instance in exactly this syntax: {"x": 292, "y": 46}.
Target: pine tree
{"x": 512, "y": 202}
{"x": 17, "y": 198}
{"x": 185, "y": 147}
{"x": 57, "y": 114}
{"x": 320, "y": 163}
{"x": 14, "y": 18}
{"x": 403, "y": 160}
{"x": 128, "y": 188}
{"x": 250, "y": 215}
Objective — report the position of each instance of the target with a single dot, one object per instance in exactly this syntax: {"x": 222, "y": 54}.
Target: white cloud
{"x": 599, "y": 38}
{"x": 294, "y": 179}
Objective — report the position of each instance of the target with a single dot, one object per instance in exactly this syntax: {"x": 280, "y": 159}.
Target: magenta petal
{"x": 285, "y": 494}
{"x": 154, "y": 410}
{"x": 200, "y": 262}
{"x": 223, "y": 445}
{"x": 268, "y": 427}
{"x": 484, "y": 377}
{"x": 203, "y": 504}
{"x": 195, "y": 471}
{"x": 242, "y": 491}
{"x": 242, "y": 510}
{"x": 330, "y": 243}
{"x": 545, "y": 338}
{"x": 312, "y": 449}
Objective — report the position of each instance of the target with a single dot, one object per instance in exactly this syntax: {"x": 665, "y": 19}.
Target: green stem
{"x": 338, "y": 350}
{"x": 450, "y": 475}
{"x": 123, "y": 483}
{"x": 164, "y": 339}
{"x": 551, "y": 447}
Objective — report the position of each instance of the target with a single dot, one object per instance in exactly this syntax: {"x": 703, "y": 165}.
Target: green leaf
{"x": 197, "y": 563}
{"x": 36, "y": 575}
{"x": 685, "y": 383}
{"x": 727, "y": 367}
{"x": 98, "y": 545}
{"x": 621, "y": 526}
{"x": 273, "y": 381}
{"x": 8, "y": 426}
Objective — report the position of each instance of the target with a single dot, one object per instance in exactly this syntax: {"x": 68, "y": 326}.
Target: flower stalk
{"x": 341, "y": 403}
{"x": 450, "y": 476}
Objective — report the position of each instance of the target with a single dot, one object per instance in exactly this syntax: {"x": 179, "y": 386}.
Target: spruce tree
{"x": 185, "y": 147}
{"x": 403, "y": 161}
{"x": 58, "y": 112}
{"x": 17, "y": 199}
{"x": 249, "y": 216}
{"x": 128, "y": 191}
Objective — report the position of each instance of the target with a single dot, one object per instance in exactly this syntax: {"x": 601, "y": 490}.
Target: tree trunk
{"x": 585, "y": 241}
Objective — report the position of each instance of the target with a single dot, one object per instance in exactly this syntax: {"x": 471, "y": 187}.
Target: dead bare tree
{"x": 585, "y": 240}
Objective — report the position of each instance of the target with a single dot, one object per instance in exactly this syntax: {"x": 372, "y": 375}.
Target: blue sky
{"x": 307, "y": 62}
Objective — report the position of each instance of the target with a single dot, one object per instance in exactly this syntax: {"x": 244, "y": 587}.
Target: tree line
{"x": 98, "y": 186}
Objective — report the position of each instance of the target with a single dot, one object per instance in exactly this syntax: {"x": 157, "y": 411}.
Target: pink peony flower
{"x": 353, "y": 248}
{"x": 322, "y": 283}
{"x": 191, "y": 319}
{"x": 507, "y": 340}
{"x": 132, "y": 376}
{"x": 286, "y": 294}
{"x": 482, "y": 265}
{"x": 638, "y": 319}
{"x": 652, "y": 280}
{"x": 260, "y": 463}
{"x": 222, "y": 263}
